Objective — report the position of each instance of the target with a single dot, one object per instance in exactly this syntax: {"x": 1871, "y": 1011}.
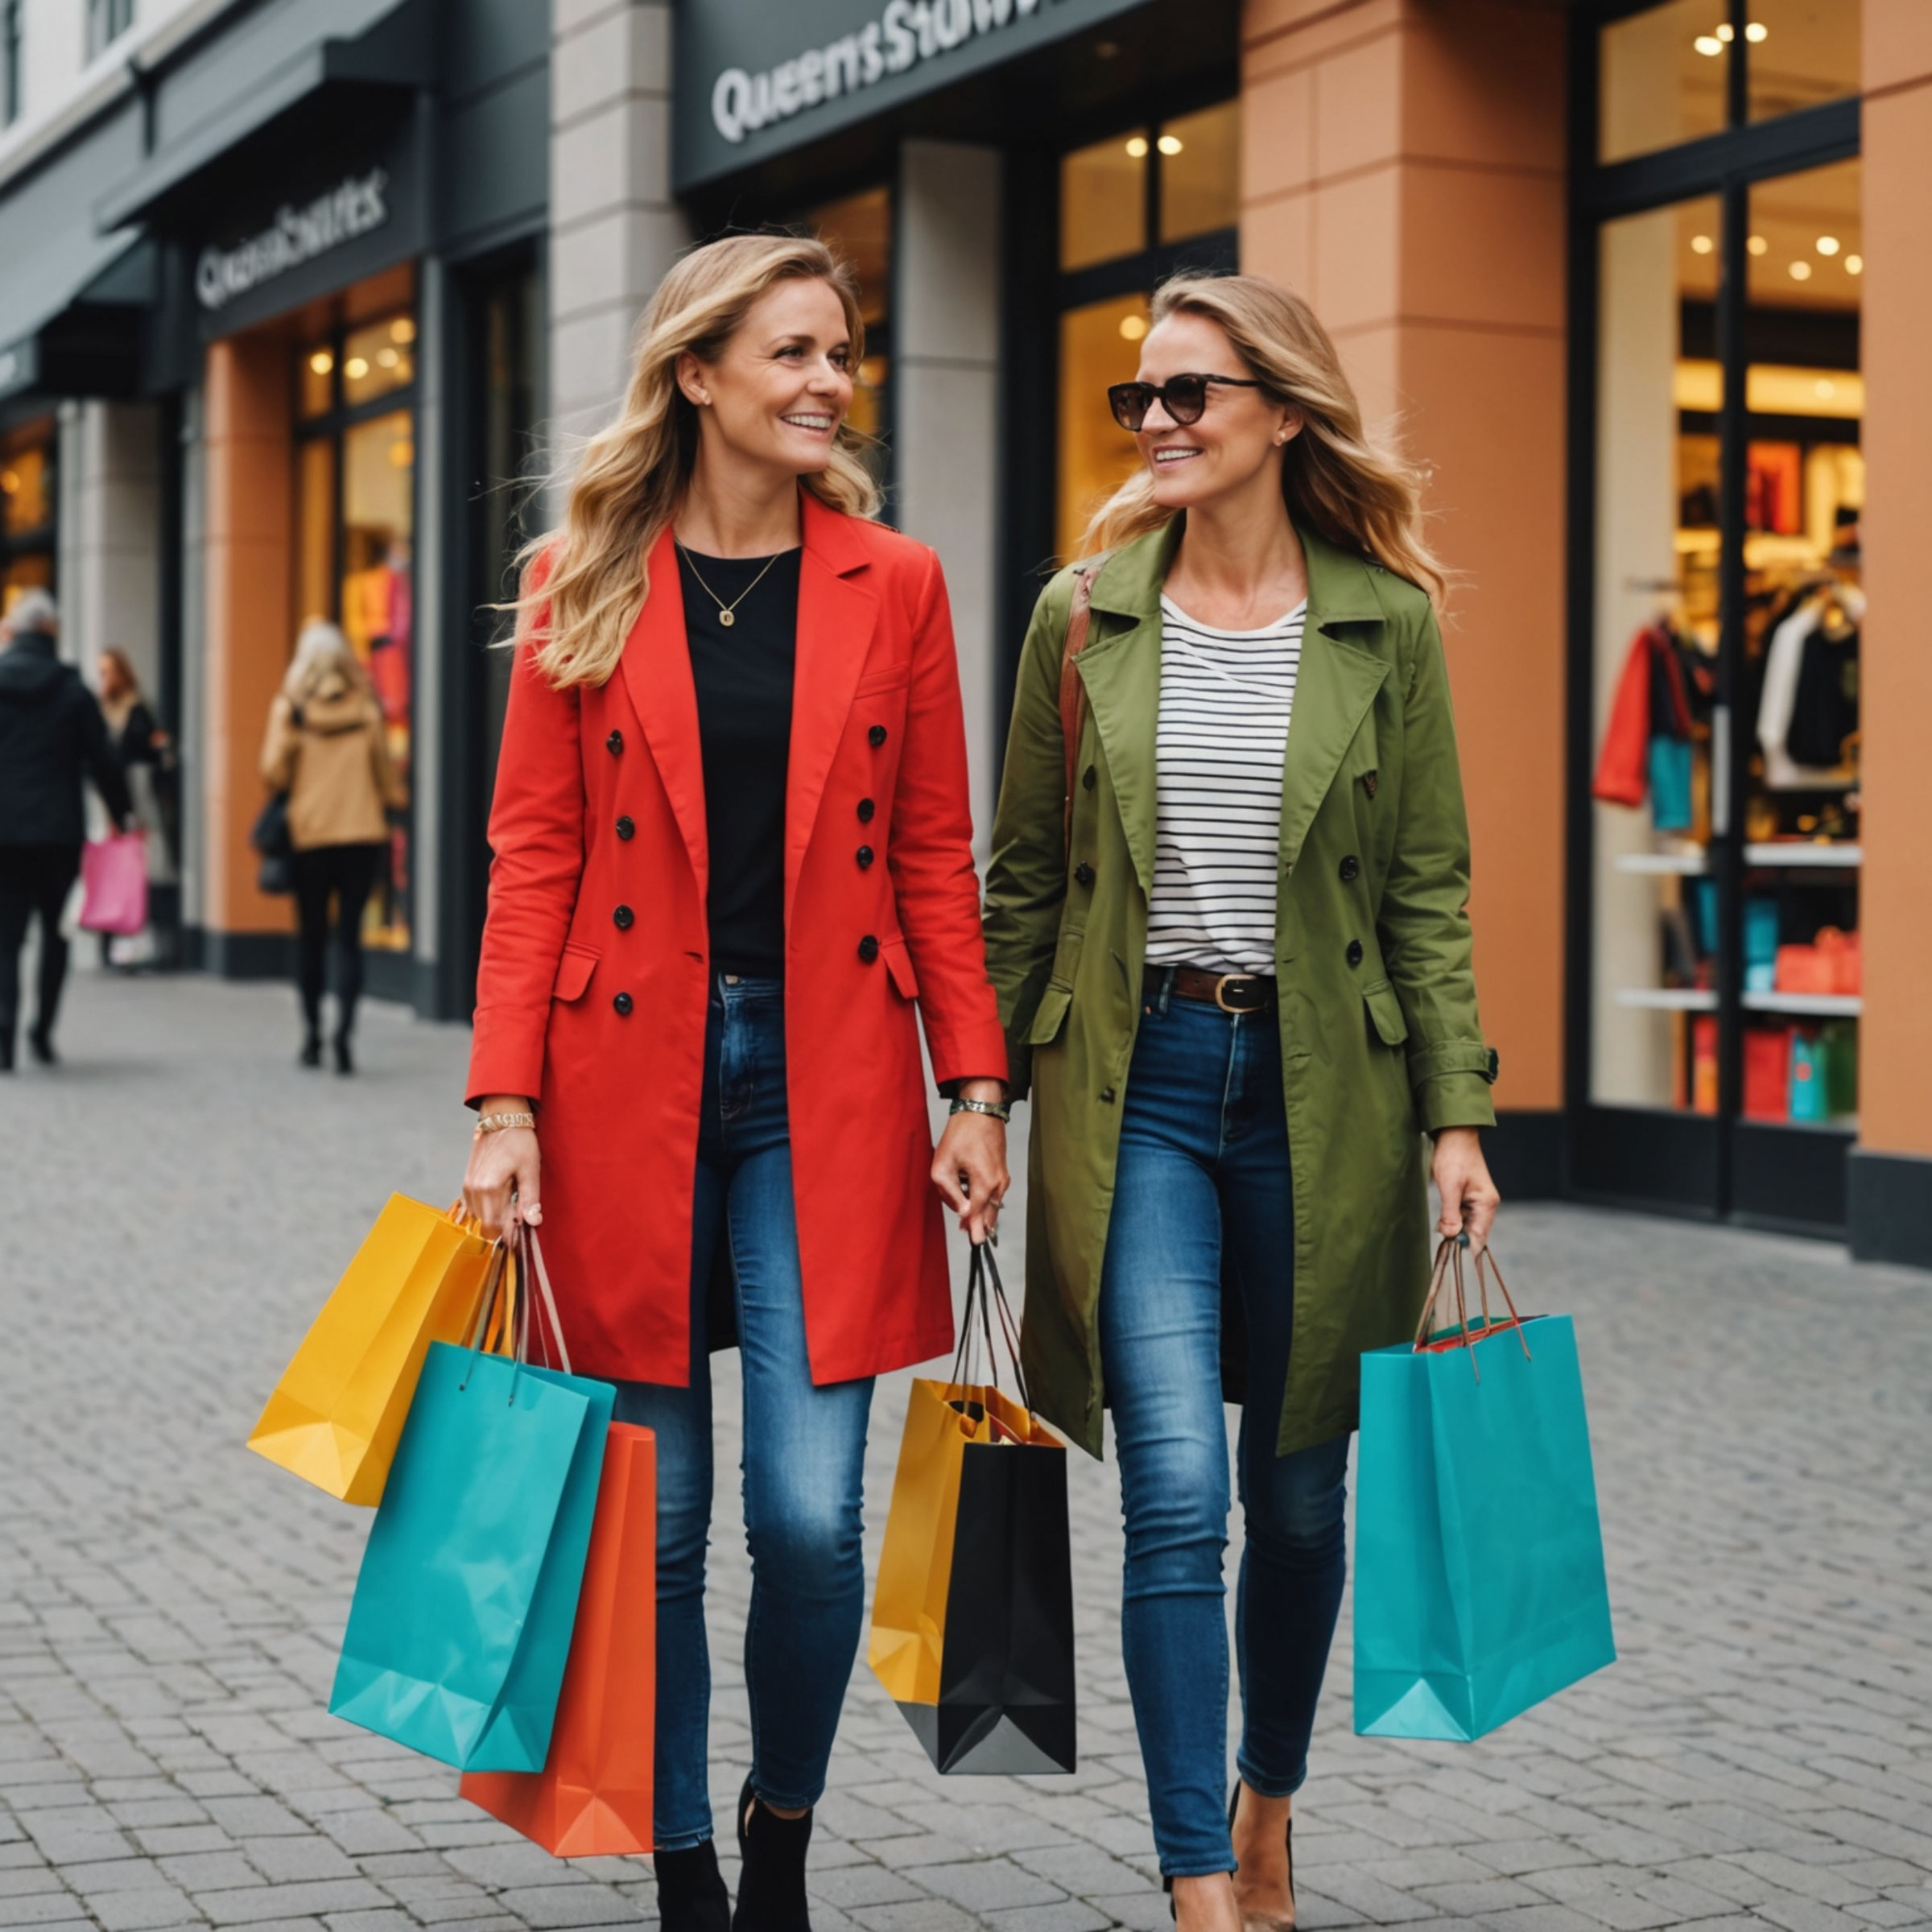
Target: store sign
{"x": 358, "y": 205}
{"x": 753, "y": 79}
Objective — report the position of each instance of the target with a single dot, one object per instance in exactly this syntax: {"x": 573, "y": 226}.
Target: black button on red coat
{"x": 626, "y": 826}
{"x": 866, "y": 809}
{"x": 623, "y": 916}
{"x": 868, "y": 949}
{"x": 623, "y": 1002}
{"x": 614, "y": 743}
{"x": 876, "y": 735}
{"x": 864, "y": 855}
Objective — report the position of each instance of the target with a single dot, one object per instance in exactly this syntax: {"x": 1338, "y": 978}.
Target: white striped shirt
{"x": 1226, "y": 697}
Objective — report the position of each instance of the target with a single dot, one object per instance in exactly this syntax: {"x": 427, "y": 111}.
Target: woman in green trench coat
{"x": 1233, "y": 964}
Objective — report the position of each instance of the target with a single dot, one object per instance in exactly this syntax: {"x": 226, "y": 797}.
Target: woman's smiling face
{"x": 1241, "y": 431}
{"x": 782, "y": 385}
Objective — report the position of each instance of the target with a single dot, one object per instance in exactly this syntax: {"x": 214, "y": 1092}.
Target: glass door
{"x": 1715, "y": 903}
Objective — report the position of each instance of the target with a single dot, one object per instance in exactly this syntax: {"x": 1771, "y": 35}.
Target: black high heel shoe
{"x": 771, "y": 1880}
{"x": 691, "y": 1897}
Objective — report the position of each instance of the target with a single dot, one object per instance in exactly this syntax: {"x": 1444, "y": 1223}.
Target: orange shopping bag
{"x": 592, "y": 1798}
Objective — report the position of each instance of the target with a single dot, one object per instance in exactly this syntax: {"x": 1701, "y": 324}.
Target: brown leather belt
{"x": 1231, "y": 992}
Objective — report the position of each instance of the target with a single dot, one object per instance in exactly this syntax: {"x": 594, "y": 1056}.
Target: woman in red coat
{"x": 733, "y": 857}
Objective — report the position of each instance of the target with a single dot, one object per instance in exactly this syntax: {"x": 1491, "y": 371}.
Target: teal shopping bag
{"x": 461, "y": 1621}
{"x": 1478, "y": 1575}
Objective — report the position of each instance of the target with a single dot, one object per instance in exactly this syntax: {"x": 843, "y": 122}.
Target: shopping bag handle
{"x": 1448, "y": 1270}
{"x": 985, "y": 1294}
{"x": 536, "y": 1273}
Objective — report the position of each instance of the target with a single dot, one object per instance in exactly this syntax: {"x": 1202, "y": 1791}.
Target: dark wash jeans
{"x": 804, "y": 1454}
{"x": 1203, "y": 1173}
{"x": 34, "y": 879}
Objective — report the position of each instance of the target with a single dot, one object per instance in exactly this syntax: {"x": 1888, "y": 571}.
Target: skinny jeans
{"x": 803, "y": 1455}
{"x": 1203, "y": 1190}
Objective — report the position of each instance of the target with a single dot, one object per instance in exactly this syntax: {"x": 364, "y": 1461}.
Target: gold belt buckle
{"x": 1221, "y": 988}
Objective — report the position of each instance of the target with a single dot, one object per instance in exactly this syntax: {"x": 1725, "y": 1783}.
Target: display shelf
{"x": 1669, "y": 999}
{"x": 1816, "y": 1006}
{"x": 1802, "y": 851}
{"x": 1683, "y": 865}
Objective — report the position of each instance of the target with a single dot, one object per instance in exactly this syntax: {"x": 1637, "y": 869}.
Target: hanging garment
{"x": 1783, "y": 771}
{"x": 1824, "y": 712}
{"x": 1651, "y": 700}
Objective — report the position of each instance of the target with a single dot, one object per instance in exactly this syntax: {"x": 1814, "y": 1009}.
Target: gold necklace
{"x": 724, "y": 609}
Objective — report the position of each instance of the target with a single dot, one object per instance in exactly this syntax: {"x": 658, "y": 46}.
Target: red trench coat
{"x": 599, "y": 1014}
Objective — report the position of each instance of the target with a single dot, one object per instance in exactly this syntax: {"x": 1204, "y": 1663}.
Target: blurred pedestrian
{"x": 52, "y": 736}
{"x": 144, "y": 754}
{"x": 326, "y": 747}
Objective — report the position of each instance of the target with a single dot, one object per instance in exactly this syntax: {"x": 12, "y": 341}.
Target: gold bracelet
{"x": 495, "y": 1123}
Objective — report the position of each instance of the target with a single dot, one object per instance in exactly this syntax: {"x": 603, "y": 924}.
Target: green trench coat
{"x": 1374, "y": 853}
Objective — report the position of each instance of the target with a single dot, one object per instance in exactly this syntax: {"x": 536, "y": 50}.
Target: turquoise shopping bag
{"x": 460, "y": 1624}
{"x": 1479, "y": 1575}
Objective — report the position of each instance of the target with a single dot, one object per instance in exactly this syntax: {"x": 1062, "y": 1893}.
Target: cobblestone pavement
{"x": 182, "y": 1198}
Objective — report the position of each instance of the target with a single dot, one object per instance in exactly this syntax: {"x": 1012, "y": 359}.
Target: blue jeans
{"x": 803, "y": 1455}
{"x": 1204, "y": 1173}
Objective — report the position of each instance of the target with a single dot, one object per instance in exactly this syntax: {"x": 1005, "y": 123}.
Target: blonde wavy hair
{"x": 1337, "y": 480}
{"x": 632, "y": 476}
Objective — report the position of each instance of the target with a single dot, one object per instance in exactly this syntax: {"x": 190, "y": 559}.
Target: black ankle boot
{"x": 345, "y": 1061}
{"x": 311, "y": 1049}
{"x": 691, "y": 1891}
{"x": 771, "y": 1882}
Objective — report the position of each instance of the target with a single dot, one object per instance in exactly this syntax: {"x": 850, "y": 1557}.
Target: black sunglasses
{"x": 1184, "y": 397}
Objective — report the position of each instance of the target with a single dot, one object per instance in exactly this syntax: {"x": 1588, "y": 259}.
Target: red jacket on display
{"x": 594, "y": 978}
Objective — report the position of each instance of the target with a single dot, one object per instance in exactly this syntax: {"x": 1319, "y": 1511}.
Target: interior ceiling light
{"x": 1854, "y": 264}
{"x": 1702, "y": 245}
{"x": 1824, "y": 388}
{"x": 1136, "y": 146}
{"x": 1170, "y": 144}
{"x": 1132, "y": 327}
{"x": 1827, "y": 245}
{"x": 1708, "y": 44}
{"x": 402, "y": 330}
{"x": 355, "y": 369}
{"x": 1725, "y": 33}
{"x": 1801, "y": 271}
{"x": 1758, "y": 32}
{"x": 321, "y": 361}
{"x": 1757, "y": 245}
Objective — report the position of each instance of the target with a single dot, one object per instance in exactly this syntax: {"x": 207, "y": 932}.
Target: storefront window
{"x": 1805, "y": 607}
{"x": 1104, "y": 200}
{"x": 355, "y": 469}
{"x": 1099, "y": 346}
{"x": 1653, "y": 1039}
{"x": 1666, "y": 71}
{"x": 860, "y": 228}
{"x": 1200, "y": 172}
{"x": 26, "y": 511}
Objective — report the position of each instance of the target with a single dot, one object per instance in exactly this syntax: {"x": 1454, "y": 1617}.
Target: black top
{"x": 52, "y": 733}
{"x": 743, "y": 673}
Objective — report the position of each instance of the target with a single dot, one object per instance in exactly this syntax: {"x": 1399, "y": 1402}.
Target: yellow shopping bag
{"x": 339, "y": 1406}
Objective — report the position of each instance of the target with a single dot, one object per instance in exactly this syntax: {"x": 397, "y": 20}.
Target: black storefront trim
{"x": 1891, "y": 1206}
{"x": 1525, "y": 1149}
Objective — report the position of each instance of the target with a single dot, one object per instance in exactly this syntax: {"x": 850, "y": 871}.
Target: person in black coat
{"x": 51, "y": 735}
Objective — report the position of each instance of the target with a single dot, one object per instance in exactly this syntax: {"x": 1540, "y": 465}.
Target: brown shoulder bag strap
{"x": 1073, "y": 695}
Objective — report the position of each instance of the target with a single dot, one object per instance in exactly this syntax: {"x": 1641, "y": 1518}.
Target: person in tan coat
{"x": 326, "y": 749}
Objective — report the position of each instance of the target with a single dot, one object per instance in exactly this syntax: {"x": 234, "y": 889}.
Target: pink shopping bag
{"x": 114, "y": 874}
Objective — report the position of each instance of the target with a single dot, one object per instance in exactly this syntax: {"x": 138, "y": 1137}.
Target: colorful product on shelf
{"x": 1761, "y": 945}
{"x": 1767, "y": 1072}
{"x": 1811, "y": 1096}
{"x": 1703, "y": 1064}
{"x": 1831, "y": 963}
{"x": 1840, "y": 1039}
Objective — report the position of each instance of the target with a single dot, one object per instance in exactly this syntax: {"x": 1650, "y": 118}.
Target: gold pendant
{"x": 726, "y": 619}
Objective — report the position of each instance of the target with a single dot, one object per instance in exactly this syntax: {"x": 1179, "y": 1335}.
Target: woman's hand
{"x": 969, "y": 1166}
{"x": 1470, "y": 1199}
{"x": 504, "y": 1167}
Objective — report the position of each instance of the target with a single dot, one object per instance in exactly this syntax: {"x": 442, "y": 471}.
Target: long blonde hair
{"x": 633, "y": 474}
{"x": 322, "y": 655}
{"x": 1337, "y": 480}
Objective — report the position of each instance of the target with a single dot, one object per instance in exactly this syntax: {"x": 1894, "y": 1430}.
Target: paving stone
{"x": 141, "y": 1908}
